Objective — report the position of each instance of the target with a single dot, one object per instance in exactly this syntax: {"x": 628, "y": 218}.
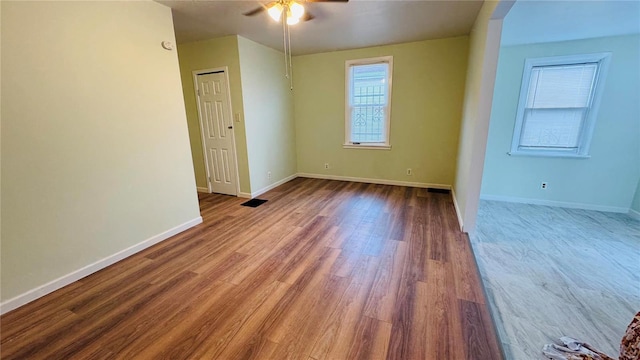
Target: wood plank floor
{"x": 323, "y": 270}
{"x": 553, "y": 272}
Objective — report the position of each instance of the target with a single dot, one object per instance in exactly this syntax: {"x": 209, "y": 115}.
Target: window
{"x": 558, "y": 105}
{"x": 368, "y": 103}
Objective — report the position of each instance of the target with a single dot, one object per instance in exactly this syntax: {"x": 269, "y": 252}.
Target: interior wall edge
{"x": 42, "y": 290}
{"x": 273, "y": 186}
{"x": 457, "y": 207}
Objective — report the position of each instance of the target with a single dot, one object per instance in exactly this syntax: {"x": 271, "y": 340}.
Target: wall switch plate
{"x": 409, "y": 171}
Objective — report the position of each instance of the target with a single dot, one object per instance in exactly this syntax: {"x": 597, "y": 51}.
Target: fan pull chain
{"x": 284, "y": 40}
{"x": 290, "y": 62}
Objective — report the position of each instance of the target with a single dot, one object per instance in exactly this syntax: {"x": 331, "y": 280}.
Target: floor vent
{"x": 254, "y": 202}
{"x": 439, "y": 191}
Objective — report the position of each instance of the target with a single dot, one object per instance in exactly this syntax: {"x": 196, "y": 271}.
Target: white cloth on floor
{"x": 571, "y": 347}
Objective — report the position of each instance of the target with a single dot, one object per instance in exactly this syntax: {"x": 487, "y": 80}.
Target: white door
{"x": 217, "y": 132}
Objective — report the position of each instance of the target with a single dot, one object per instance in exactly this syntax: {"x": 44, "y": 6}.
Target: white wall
{"x": 95, "y": 151}
{"x": 483, "y": 58}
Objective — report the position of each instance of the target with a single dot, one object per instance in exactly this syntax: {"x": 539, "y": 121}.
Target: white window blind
{"x": 557, "y": 103}
{"x": 561, "y": 86}
{"x": 368, "y": 102}
{"x": 556, "y": 114}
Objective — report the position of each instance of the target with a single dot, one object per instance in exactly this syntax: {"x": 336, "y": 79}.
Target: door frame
{"x": 225, "y": 70}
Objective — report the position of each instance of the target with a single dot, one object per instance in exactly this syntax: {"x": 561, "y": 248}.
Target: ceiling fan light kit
{"x": 297, "y": 10}
{"x": 292, "y": 20}
{"x": 292, "y": 10}
{"x": 275, "y": 11}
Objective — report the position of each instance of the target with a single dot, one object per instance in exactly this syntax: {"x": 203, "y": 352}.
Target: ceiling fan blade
{"x": 254, "y": 12}
{"x": 307, "y": 16}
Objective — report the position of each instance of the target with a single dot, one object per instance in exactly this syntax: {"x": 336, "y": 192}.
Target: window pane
{"x": 369, "y": 84}
{"x": 552, "y": 128}
{"x": 566, "y": 86}
{"x": 368, "y": 100}
{"x": 367, "y": 124}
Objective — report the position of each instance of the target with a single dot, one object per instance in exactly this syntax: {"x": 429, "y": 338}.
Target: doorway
{"x": 216, "y": 128}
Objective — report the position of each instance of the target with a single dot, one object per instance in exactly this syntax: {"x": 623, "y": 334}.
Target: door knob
{"x": 229, "y": 127}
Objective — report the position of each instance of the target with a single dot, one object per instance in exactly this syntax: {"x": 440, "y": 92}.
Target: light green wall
{"x": 609, "y": 178}
{"x": 0, "y": 148}
{"x": 268, "y": 114}
{"x": 635, "y": 205}
{"x": 475, "y": 115}
{"x": 265, "y": 138}
{"x": 426, "y": 105}
{"x": 95, "y": 152}
{"x": 210, "y": 54}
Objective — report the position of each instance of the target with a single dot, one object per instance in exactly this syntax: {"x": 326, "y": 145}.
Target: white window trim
{"x": 347, "y": 114}
{"x": 590, "y": 120}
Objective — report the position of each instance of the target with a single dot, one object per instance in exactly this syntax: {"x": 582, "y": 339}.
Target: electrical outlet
{"x": 543, "y": 186}
{"x": 326, "y": 165}
{"x": 409, "y": 171}
{"x": 269, "y": 175}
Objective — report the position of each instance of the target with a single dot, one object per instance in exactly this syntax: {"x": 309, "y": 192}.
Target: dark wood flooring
{"x": 323, "y": 270}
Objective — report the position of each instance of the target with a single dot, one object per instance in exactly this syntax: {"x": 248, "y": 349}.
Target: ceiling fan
{"x": 293, "y": 11}
{"x": 288, "y": 12}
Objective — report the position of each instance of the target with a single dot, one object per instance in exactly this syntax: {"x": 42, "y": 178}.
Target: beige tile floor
{"x": 551, "y": 272}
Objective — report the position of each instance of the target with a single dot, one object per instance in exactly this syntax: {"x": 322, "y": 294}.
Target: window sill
{"x": 366, "y": 147}
{"x": 550, "y": 155}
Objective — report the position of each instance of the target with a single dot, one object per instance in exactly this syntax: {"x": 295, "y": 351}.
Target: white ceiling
{"x": 336, "y": 26}
{"x": 531, "y": 21}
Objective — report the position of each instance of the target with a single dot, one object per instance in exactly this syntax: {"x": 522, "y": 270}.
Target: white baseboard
{"x": 272, "y": 186}
{"x": 343, "y": 178}
{"x": 458, "y": 213}
{"x": 65, "y": 280}
{"x": 202, "y": 189}
{"x": 634, "y": 214}
{"x": 375, "y": 181}
{"x": 570, "y": 205}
